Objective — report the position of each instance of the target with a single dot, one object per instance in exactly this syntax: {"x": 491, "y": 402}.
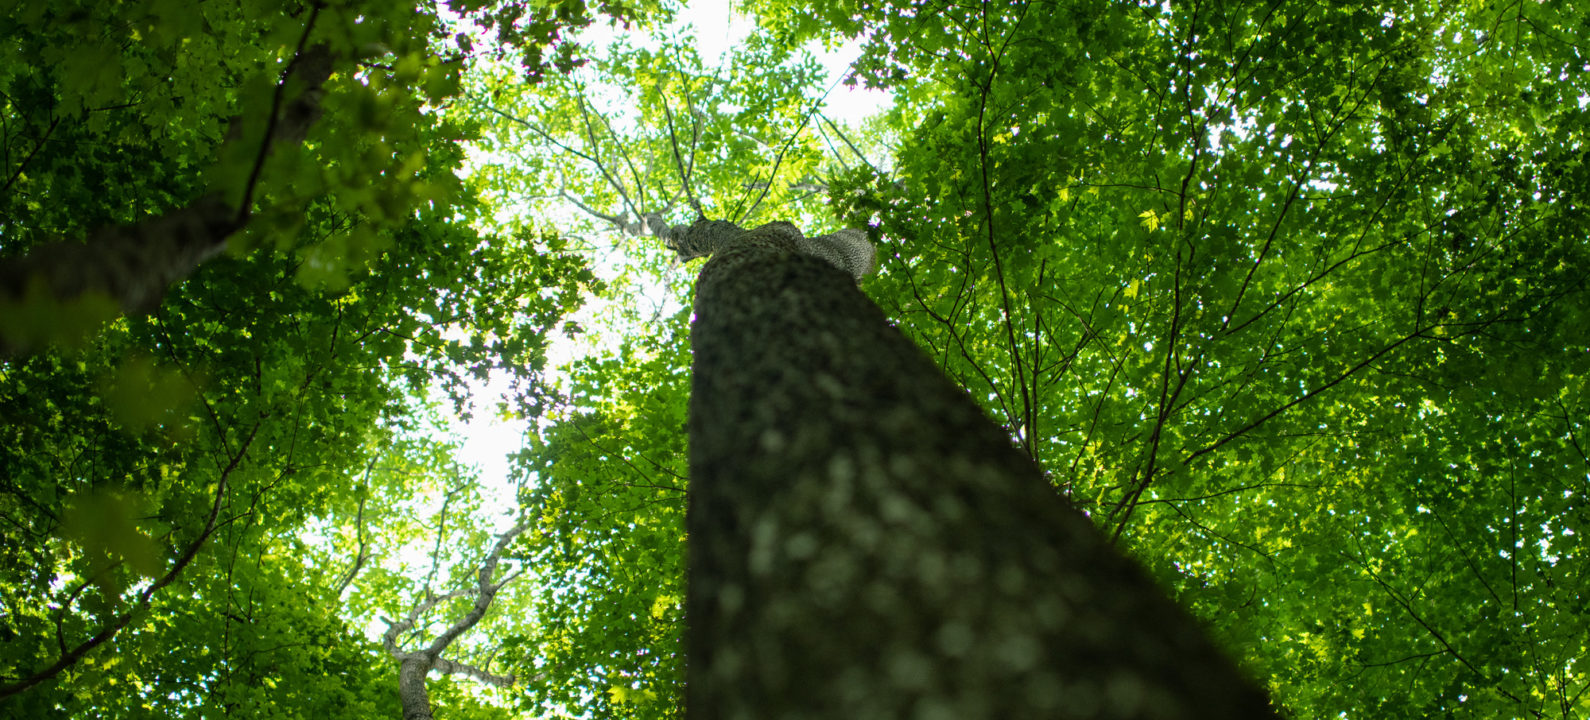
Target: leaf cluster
{"x": 166, "y": 485}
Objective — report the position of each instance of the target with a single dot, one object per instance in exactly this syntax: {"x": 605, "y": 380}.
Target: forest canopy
{"x": 1291, "y": 299}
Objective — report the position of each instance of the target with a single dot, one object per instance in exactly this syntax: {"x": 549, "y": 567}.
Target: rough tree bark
{"x": 866, "y": 543}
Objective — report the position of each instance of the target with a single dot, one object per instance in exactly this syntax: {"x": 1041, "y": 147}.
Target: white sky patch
{"x": 719, "y": 27}
{"x": 488, "y": 438}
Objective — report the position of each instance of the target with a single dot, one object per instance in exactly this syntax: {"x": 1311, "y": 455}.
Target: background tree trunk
{"x": 411, "y": 686}
{"x": 865, "y": 543}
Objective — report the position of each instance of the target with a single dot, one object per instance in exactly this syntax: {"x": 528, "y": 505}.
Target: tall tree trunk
{"x": 866, "y": 543}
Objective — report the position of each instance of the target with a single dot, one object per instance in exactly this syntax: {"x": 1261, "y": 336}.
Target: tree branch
{"x": 109, "y": 630}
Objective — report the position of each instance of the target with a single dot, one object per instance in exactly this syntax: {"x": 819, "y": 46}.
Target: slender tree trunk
{"x": 416, "y": 701}
{"x": 866, "y": 543}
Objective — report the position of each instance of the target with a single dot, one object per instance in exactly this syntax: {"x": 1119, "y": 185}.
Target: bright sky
{"x": 487, "y": 439}
{"x": 719, "y": 28}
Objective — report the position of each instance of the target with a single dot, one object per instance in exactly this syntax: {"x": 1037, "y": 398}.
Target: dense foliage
{"x": 160, "y": 483}
{"x": 1290, "y": 297}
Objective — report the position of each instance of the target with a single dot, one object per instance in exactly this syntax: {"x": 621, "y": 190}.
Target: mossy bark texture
{"x": 866, "y": 543}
